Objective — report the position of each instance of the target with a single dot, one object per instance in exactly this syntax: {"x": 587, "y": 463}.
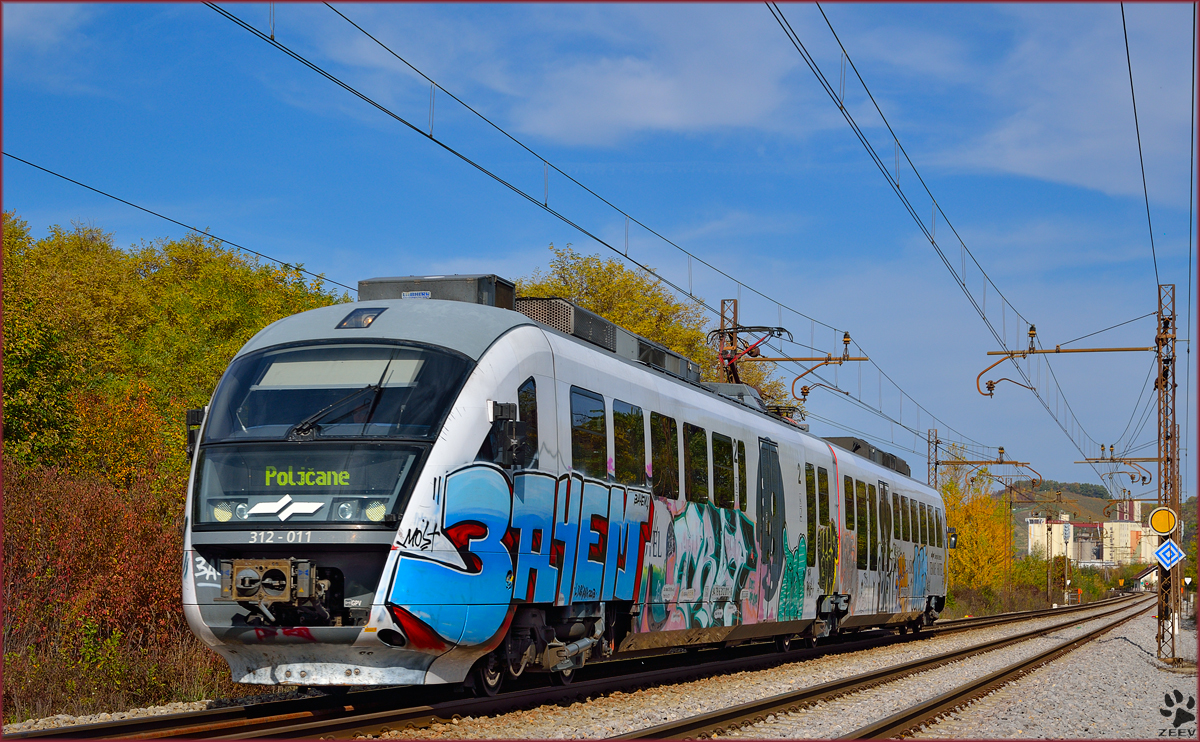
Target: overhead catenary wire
{"x": 316, "y": 68}
{"x": 794, "y": 38}
{"x": 283, "y": 263}
{"x": 1187, "y": 374}
{"x": 1137, "y": 130}
{"x": 1106, "y": 329}
{"x": 930, "y": 235}
{"x": 691, "y": 257}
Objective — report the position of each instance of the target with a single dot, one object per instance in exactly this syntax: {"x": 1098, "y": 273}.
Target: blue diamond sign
{"x": 1169, "y": 554}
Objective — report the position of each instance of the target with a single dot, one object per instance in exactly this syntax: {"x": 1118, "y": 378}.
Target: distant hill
{"x": 1084, "y": 502}
{"x": 1049, "y": 487}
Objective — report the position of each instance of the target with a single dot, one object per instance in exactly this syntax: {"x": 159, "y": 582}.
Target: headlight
{"x": 222, "y": 511}
{"x": 241, "y": 511}
{"x": 376, "y": 509}
{"x": 346, "y": 510}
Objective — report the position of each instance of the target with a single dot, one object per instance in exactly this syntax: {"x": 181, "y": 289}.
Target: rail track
{"x": 373, "y": 711}
{"x": 735, "y": 717}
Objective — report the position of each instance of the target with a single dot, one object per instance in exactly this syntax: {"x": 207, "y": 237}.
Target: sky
{"x": 706, "y": 127}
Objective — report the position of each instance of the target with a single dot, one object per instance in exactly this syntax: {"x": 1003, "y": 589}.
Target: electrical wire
{"x": 926, "y": 230}
{"x": 1137, "y": 404}
{"x": 544, "y": 206}
{"x": 1106, "y": 329}
{"x": 1187, "y": 374}
{"x": 1138, "y": 131}
{"x": 285, "y": 264}
{"x": 631, "y": 218}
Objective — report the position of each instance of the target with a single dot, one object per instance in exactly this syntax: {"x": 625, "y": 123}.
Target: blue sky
{"x": 702, "y": 122}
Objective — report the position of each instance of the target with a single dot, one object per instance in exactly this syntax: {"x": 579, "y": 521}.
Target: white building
{"x": 1119, "y": 541}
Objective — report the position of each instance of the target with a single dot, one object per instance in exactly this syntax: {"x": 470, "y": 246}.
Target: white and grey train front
{"x": 309, "y": 451}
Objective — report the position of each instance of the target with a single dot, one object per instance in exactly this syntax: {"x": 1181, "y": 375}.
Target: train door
{"x": 769, "y": 520}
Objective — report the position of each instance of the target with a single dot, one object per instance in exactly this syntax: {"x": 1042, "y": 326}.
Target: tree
{"x": 640, "y": 303}
{"x": 104, "y": 348}
{"x": 980, "y": 558}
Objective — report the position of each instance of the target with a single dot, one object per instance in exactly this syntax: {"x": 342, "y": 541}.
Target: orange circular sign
{"x": 1163, "y": 521}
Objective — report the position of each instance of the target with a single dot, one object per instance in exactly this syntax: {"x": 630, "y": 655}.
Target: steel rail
{"x": 923, "y": 713}
{"x": 354, "y": 707}
{"x": 735, "y": 717}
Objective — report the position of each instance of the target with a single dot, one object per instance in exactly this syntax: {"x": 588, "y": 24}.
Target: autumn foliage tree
{"x": 981, "y": 557}
{"x": 640, "y": 303}
{"x": 104, "y": 350}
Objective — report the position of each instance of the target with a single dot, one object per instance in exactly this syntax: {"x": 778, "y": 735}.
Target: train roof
{"x": 467, "y": 328}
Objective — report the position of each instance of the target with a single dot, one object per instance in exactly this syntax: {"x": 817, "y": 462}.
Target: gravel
{"x": 1111, "y": 687}
{"x": 843, "y": 715}
{"x": 620, "y": 713}
{"x": 178, "y": 707}
{"x": 63, "y": 720}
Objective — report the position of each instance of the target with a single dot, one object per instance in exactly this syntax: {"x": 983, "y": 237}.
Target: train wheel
{"x": 562, "y": 677}
{"x": 783, "y": 643}
{"x": 489, "y": 676}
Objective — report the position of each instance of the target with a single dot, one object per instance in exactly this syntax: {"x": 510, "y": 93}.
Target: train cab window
{"x": 629, "y": 443}
{"x": 860, "y": 492}
{"x": 872, "y": 525}
{"x": 897, "y": 534}
{"x": 589, "y": 434}
{"x": 741, "y": 466}
{"x": 722, "y": 449}
{"x": 695, "y": 463}
{"x": 664, "y": 456}
{"x": 905, "y": 517}
{"x": 810, "y": 502}
{"x": 823, "y": 492}
{"x": 924, "y": 526}
{"x": 848, "y": 498}
{"x": 527, "y": 413}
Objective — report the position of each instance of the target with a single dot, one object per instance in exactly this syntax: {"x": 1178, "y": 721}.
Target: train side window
{"x": 916, "y": 521}
{"x": 629, "y": 440}
{"x": 823, "y": 491}
{"x": 904, "y": 516}
{"x": 664, "y": 456}
{"x": 695, "y": 463}
{"x": 810, "y": 502}
{"x": 722, "y": 446}
{"x": 848, "y": 497}
{"x": 589, "y": 434}
{"x": 872, "y": 525}
{"x": 896, "y": 521}
{"x": 937, "y": 528}
{"x": 741, "y": 462}
{"x": 885, "y": 520}
{"x": 527, "y": 413}
{"x": 924, "y": 527}
{"x": 860, "y": 492}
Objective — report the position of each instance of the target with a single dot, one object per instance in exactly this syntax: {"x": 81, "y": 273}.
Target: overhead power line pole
{"x": 1168, "y": 466}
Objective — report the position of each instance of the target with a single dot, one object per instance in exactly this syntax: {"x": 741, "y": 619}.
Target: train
{"x": 444, "y": 483}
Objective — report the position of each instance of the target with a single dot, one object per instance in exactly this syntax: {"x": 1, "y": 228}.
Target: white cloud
{"x": 43, "y": 43}
{"x": 43, "y": 27}
{"x": 1062, "y": 98}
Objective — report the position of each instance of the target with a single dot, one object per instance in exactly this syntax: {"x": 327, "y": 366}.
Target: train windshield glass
{"x": 260, "y": 485}
{"x": 335, "y": 391}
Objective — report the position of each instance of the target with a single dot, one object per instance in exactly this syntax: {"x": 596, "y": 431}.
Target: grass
{"x": 91, "y": 674}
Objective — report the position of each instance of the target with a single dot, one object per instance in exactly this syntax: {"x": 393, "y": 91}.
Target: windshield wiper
{"x": 303, "y": 428}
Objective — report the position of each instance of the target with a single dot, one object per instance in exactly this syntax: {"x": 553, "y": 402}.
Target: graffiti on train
{"x": 700, "y": 568}
{"x": 485, "y": 541}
